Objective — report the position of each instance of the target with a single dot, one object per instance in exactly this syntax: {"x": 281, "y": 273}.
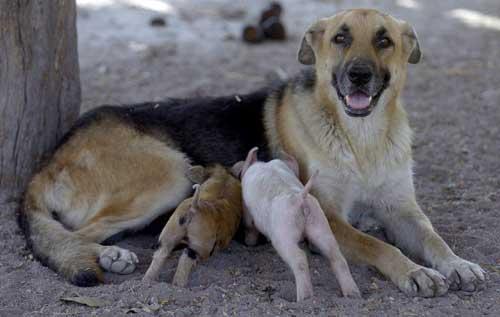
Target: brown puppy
{"x": 205, "y": 223}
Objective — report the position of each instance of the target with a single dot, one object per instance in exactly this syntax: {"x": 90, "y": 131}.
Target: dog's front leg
{"x": 411, "y": 278}
{"x": 412, "y": 231}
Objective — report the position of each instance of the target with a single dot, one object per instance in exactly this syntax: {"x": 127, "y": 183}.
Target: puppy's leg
{"x": 187, "y": 261}
{"x": 319, "y": 234}
{"x": 170, "y": 237}
{"x": 413, "y": 232}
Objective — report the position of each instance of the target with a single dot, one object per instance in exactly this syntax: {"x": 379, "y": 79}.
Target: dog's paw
{"x": 117, "y": 260}
{"x": 463, "y": 275}
{"x": 423, "y": 282}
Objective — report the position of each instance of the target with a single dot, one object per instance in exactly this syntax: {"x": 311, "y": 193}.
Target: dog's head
{"x": 360, "y": 57}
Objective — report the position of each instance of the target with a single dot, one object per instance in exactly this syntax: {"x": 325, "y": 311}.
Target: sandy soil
{"x": 452, "y": 97}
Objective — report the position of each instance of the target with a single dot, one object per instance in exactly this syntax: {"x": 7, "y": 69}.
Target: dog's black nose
{"x": 360, "y": 74}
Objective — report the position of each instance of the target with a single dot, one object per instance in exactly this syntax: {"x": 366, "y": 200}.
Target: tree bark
{"x": 39, "y": 84}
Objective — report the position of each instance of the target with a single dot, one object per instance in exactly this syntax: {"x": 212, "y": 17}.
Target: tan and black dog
{"x": 120, "y": 167}
{"x": 205, "y": 223}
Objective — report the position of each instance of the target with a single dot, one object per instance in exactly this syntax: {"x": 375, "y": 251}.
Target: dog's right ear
{"x": 310, "y": 42}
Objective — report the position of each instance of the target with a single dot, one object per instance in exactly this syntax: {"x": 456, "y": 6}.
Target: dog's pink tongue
{"x": 358, "y": 100}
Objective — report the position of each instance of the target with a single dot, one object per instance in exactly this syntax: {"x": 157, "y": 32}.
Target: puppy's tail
{"x": 195, "y": 203}
{"x": 55, "y": 246}
{"x": 308, "y": 186}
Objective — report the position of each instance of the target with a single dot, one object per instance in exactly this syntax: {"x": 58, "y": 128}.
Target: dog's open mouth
{"x": 359, "y": 103}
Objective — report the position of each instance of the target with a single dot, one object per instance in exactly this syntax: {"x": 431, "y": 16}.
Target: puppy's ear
{"x": 197, "y": 174}
{"x": 290, "y": 161}
{"x": 237, "y": 168}
{"x": 410, "y": 43}
{"x": 310, "y": 42}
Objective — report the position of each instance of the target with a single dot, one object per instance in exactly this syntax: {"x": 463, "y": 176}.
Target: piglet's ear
{"x": 251, "y": 158}
{"x": 290, "y": 161}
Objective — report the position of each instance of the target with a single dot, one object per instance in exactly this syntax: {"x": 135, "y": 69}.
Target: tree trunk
{"x": 39, "y": 84}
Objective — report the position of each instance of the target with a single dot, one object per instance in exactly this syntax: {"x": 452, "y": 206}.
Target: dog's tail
{"x": 55, "y": 246}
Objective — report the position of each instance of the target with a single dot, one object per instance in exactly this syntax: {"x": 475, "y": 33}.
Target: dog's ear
{"x": 310, "y": 40}
{"x": 411, "y": 44}
{"x": 197, "y": 174}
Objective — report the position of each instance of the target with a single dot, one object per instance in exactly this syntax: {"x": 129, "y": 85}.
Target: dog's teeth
{"x": 370, "y": 99}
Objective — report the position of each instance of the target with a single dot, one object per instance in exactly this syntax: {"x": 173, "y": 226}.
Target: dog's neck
{"x": 385, "y": 132}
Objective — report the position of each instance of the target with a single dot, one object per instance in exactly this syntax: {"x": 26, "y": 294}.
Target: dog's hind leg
{"x": 104, "y": 180}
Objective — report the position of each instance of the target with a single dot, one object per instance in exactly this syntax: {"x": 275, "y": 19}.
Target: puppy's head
{"x": 360, "y": 57}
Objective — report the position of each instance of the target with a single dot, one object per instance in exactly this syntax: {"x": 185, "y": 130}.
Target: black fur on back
{"x": 208, "y": 129}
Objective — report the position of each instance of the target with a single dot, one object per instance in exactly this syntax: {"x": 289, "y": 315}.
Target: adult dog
{"x": 120, "y": 167}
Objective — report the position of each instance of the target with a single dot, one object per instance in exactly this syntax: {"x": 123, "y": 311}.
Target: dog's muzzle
{"x": 359, "y": 87}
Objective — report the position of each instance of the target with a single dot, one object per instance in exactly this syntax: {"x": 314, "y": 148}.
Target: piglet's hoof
{"x": 117, "y": 260}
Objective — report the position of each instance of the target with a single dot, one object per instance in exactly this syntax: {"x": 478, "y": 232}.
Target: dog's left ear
{"x": 410, "y": 42}
{"x": 310, "y": 40}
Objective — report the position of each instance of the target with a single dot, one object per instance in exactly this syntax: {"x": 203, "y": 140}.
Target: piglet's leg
{"x": 297, "y": 260}
{"x": 285, "y": 239}
{"x": 318, "y": 233}
{"x": 251, "y": 232}
{"x": 187, "y": 261}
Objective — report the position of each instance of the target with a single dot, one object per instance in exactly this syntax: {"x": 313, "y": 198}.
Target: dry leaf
{"x": 85, "y": 300}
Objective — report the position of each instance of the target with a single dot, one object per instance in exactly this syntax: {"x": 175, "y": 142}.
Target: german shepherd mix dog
{"x": 119, "y": 168}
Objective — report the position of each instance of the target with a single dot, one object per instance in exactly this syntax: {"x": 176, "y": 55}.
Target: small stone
{"x": 158, "y": 22}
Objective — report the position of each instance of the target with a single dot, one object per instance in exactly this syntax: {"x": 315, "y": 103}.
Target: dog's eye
{"x": 384, "y": 42}
{"x": 339, "y": 39}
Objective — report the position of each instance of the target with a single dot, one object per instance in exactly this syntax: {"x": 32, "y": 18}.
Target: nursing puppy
{"x": 280, "y": 207}
{"x": 206, "y": 223}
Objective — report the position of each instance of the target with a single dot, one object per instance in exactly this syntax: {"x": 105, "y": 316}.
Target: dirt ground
{"x": 453, "y": 98}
